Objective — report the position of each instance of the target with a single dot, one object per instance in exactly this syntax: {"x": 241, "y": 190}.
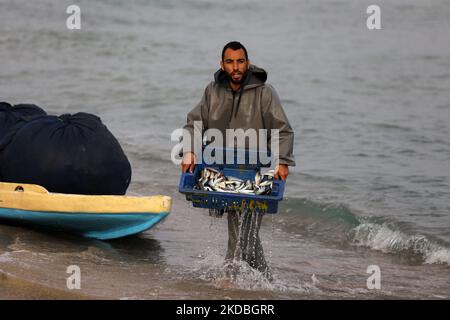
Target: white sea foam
{"x": 439, "y": 255}
{"x": 240, "y": 275}
{"x": 6, "y": 257}
{"x": 381, "y": 237}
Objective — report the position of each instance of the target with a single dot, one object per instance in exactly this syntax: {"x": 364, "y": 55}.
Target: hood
{"x": 255, "y": 77}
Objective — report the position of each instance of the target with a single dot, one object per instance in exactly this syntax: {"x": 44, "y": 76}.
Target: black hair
{"x": 234, "y": 45}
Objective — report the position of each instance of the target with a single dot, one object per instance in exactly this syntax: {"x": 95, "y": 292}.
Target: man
{"x": 240, "y": 98}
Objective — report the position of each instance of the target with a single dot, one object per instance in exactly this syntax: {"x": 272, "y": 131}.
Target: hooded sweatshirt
{"x": 255, "y": 105}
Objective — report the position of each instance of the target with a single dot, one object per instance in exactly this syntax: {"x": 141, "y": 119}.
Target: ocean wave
{"x": 391, "y": 126}
{"x": 385, "y": 238}
{"x": 320, "y": 210}
{"x": 348, "y": 226}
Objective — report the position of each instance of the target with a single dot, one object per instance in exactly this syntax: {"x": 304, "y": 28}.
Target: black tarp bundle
{"x": 11, "y": 116}
{"x": 66, "y": 154}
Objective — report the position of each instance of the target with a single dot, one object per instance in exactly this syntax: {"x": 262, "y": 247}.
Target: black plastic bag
{"x": 67, "y": 154}
{"x": 11, "y": 116}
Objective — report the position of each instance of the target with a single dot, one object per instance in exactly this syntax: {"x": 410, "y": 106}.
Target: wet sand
{"x": 12, "y": 288}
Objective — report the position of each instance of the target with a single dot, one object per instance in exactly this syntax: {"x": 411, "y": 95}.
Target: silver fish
{"x": 212, "y": 179}
{"x": 258, "y": 178}
{"x": 266, "y": 183}
{"x": 213, "y": 170}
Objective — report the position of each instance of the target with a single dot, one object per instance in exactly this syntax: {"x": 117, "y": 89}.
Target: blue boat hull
{"x": 103, "y": 226}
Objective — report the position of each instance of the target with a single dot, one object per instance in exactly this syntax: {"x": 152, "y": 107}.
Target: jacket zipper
{"x": 232, "y": 109}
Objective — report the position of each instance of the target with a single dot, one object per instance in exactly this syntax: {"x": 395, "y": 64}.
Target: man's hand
{"x": 281, "y": 171}
{"x": 188, "y": 162}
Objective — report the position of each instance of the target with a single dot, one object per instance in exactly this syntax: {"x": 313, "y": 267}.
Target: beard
{"x": 230, "y": 77}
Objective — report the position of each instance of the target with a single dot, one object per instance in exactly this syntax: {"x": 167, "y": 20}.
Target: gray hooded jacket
{"x": 255, "y": 106}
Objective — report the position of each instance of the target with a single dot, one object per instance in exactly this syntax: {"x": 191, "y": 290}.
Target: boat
{"x": 101, "y": 217}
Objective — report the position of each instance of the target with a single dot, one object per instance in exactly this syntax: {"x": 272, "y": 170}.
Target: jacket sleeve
{"x": 196, "y": 120}
{"x": 275, "y": 118}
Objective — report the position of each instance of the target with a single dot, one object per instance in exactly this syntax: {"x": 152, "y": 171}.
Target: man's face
{"x": 235, "y": 65}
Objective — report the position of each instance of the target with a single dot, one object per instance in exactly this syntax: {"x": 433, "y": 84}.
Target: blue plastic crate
{"x": 231, "y": 201}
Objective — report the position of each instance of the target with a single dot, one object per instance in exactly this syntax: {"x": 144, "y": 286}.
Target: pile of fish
{"x": 214, "y": 180}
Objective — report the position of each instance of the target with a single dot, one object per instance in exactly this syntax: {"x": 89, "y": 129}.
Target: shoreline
{"x": 13, "y": 288}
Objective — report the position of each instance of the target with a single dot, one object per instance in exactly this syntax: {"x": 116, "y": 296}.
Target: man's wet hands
{"x": 281, "y": 172}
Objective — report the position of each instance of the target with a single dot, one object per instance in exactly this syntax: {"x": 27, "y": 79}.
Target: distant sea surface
{"x": 371, "y": 115}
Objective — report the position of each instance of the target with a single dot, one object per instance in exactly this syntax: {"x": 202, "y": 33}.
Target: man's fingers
{"x": 188, "y": 163}
{"x": 280, "y": 175}
{"x": 185, "y": 167}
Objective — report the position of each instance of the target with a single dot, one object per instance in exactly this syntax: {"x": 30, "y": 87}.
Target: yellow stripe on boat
{"x": 99, "y": 217}
{"x": 36, "y": 198}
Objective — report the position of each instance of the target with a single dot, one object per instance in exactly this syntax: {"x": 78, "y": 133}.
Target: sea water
{"x": 371, "y": 115}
